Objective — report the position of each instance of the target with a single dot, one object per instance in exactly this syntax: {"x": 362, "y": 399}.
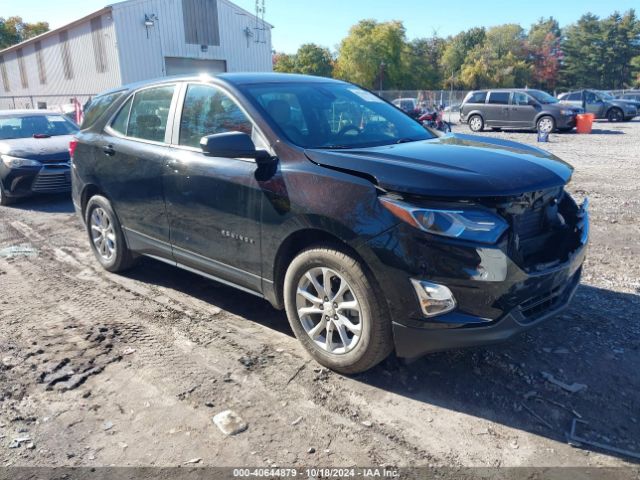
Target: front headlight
{"x": 474, "y": 224}
{"x": 16, "y": 162}
{"x": 567, "y": 112}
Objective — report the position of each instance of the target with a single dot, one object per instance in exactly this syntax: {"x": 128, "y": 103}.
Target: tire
{"x": 371, "y": 325}
{"x": 546, "y": 124}
{"x": 4, "y": 200}
{"x": 102, "y": 223}
{"x": 476, "y": 123}
{"x": 615, "y": 115}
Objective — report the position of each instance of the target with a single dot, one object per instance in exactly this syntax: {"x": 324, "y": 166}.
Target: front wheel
{"x": 106, "y": 236}
{"x": 615, "y": 115}
{"x": 335, "y": 312}
{"x": 4, "y": 200}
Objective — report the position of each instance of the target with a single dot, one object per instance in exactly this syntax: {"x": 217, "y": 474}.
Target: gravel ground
{"x": 101, "y": 369}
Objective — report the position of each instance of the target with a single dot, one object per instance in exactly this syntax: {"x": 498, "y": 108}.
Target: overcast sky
{"x": 326, "y": 22}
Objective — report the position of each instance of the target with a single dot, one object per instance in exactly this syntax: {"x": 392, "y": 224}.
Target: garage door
{"x": 190, "y": 66}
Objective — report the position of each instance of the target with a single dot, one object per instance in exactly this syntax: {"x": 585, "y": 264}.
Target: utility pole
{"x": 382, "y": 65}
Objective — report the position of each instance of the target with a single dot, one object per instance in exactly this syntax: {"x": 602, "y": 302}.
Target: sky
{"x": 326, "y": 22}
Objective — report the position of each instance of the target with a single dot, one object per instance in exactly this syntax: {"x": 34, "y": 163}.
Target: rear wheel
{"x": 335, "y": 312}
{"x": 106, "y": 236}
{"x": 476, "y": 123}
{"x": 546, "y": 124}
{"x": 615, "y": 115}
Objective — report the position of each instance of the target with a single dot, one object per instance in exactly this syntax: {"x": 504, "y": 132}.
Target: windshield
{"x": 542, "y": 97}
{"x": 334, "y": 115}
{"x": 27, "y": 126}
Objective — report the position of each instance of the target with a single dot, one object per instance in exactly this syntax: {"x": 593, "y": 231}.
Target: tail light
{"x": 72, "y": 147}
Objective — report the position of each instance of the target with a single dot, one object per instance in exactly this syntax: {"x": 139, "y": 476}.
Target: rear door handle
{"x": 108, "y": 150}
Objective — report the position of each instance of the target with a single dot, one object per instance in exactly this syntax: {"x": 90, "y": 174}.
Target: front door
{"x": 523, "y": 110}
{"x": 214, "y": 203}
{"x": 496, "y": 111}
{"x": 593, "y": 104}
{"x": 133, "y": 151}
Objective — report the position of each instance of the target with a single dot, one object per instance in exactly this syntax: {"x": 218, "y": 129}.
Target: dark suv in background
{"x": 371, "y": 231}
{"x": 516, "y": 108}
{"x": 601, "y": 104}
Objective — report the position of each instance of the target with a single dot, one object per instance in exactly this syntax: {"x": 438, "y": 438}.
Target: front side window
{"x": 149, "y": 113}
{"x": 499, "y": 98}
{"x": 35, "y": 125}
{"x": 333, "y": 115}
{"x": 208, "y": 110}
{"x": 520, "y": 98}
{"x": 542, "y": 97}
{"x": 574, "y": 96}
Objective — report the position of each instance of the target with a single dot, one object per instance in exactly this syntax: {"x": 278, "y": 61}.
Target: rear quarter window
{"x": 476, "y": 97}
{"x": 97, "y": 106}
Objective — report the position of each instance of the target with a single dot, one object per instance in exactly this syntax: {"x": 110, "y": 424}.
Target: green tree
{"x": 457, "y": 49}
{"x": 500, "y": 61}
{"x": 372, "y": 55}
{"x": 583, "y": 53}
{"x": 621, "y": 43}
{"x": 14, "y": 30}
{"x": 421, "y": 59}
{"x": 310, "y": 59}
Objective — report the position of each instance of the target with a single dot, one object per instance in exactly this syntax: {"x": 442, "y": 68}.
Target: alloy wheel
{"x": 103, "y": 234}
{"x": 476, "y": 124}
{"x": 329, "y": 310}
{"x": 545, "y": 125}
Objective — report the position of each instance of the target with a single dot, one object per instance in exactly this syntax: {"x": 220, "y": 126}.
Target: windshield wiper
{"x": 407, "y": 140}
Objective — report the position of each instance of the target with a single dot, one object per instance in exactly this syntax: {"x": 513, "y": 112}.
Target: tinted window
{"x": 28, "y": 126}
{"x": 501, "y": 98}
{"x": 149, "y": 113}
{"x": 333, "y": 115}
{"x": 120, "y": 122}
{"x": 208, "y": 110}
{"x": 97, "y": 106}
{"x": 477, "y": 97}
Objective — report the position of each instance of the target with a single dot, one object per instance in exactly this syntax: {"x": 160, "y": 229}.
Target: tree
{"x": 458, "y": 48}
{"x": 421, "y": 60}
{"x": 372, "y": 55}
{"x": 544, "y": 52}
{"x": 14, "y": 30}
{"x": 500, "y": 61}
{"x": 310, "y": 59}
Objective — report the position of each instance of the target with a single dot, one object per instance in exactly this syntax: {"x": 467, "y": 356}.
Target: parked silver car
{"x": 601, "y": 104}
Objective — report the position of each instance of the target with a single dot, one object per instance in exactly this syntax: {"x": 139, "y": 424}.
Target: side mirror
{"x": 232, "y": 145}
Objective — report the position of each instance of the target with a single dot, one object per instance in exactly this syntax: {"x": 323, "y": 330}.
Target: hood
{"x": 45, "y": 150}
{"x": 453, "y": 165}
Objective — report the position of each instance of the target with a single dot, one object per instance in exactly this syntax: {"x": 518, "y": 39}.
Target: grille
{"x": 52, "y": 182}
{"x": 530, "y": 223}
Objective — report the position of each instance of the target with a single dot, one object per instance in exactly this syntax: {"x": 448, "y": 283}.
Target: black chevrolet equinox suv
{"x": 372, "y": 232}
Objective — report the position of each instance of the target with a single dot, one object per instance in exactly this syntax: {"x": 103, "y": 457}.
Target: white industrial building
{"x": 131, "y": 41}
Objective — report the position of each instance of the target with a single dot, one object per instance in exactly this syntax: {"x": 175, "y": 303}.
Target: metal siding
{"x": 142, "y": 58}
{"x": 42, "y": 72}
{"x": 59, "y": 90}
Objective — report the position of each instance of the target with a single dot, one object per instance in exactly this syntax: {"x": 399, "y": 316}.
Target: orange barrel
{"x": 584, "y": 122}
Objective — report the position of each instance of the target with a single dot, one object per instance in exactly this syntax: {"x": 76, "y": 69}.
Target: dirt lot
{"x": 101, "y": 369}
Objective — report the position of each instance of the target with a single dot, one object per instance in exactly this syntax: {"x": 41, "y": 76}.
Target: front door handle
{"x": 109, "y": 150}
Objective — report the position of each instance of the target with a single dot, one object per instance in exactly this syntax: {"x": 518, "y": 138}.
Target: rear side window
{"x": 120, "y": 122}
{"x": 149, "y": 113}
{"x": 477, "y": 97}
{"x": 500, "y": 98}
{"x": 97, "y": 106}
{"x": 574, "y": 96}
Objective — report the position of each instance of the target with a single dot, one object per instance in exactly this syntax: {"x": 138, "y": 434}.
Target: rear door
{"x": 497, "y": 109}
{"x": 523, "y": 110}
{"x": 213, "y": 203}
{"x": 133, "y": 155}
